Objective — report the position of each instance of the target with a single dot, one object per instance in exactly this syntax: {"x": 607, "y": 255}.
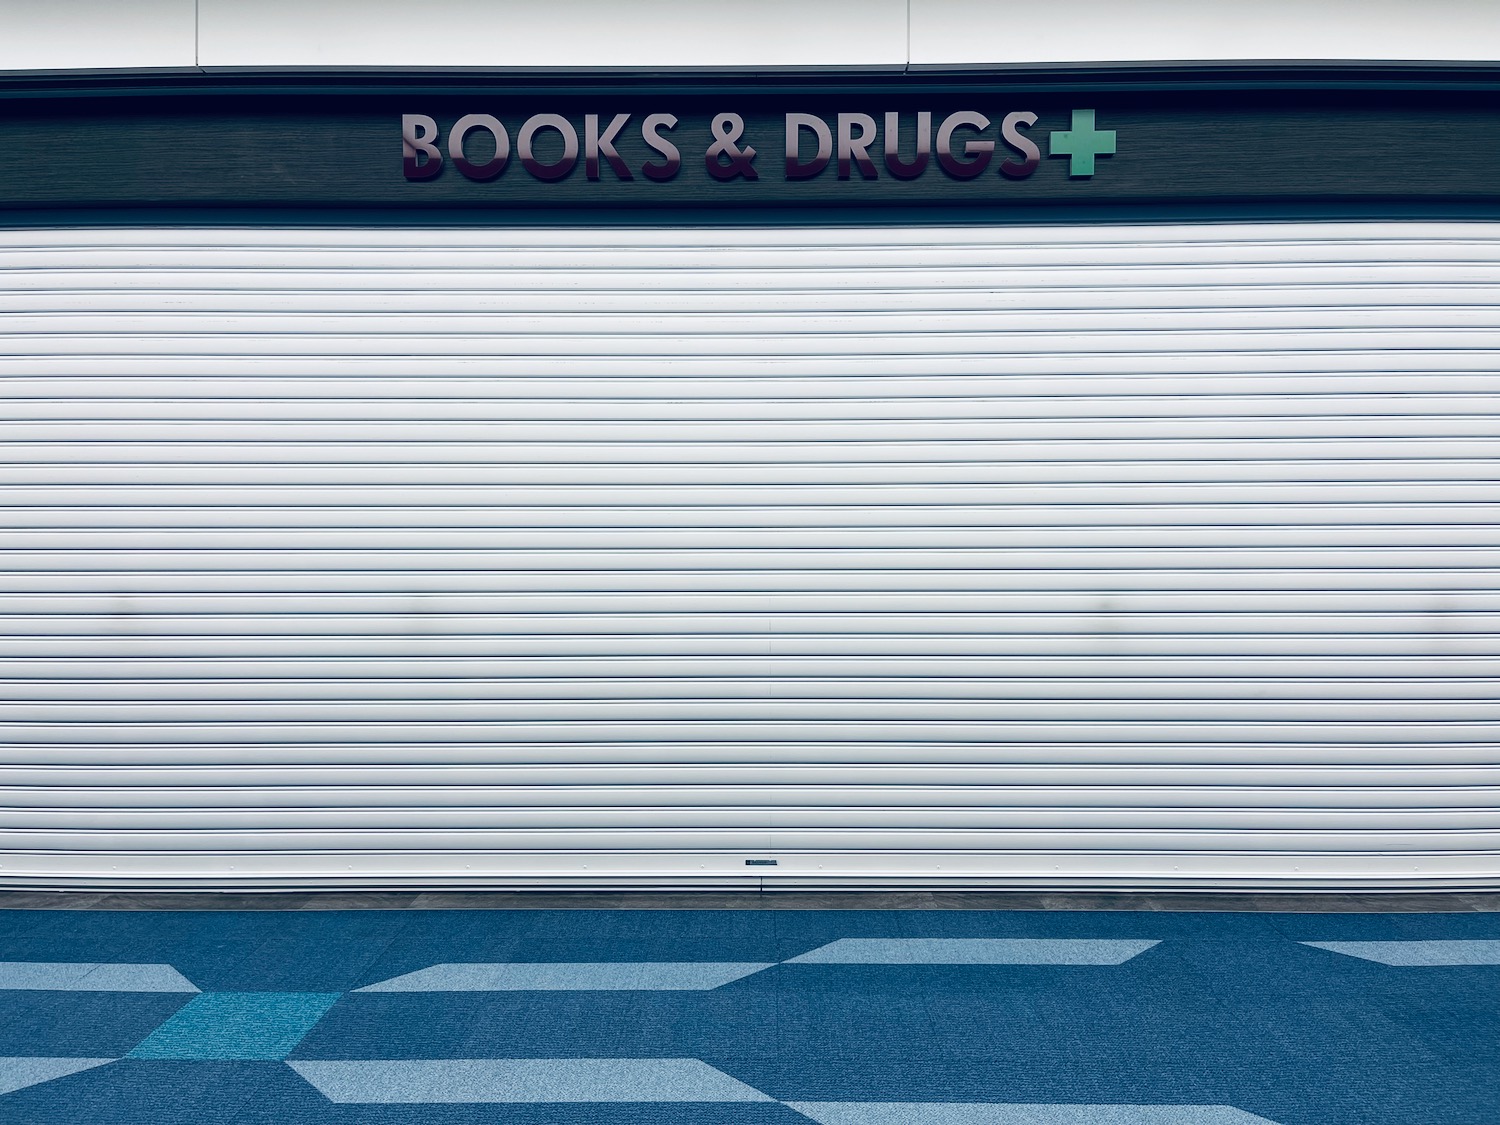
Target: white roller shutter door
{"x": 1110, "y": 555}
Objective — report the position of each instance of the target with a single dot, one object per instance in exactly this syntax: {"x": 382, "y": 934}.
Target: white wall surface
{"x": 946, "y": 33}
{"x": 96, "y": 34}
{"x": 583, "y": 34}
{"x": 731, "y": 34}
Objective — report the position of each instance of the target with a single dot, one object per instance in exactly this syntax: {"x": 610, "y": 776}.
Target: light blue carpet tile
{"x": 920, "y": 1113}
{"x": 1418, "y": 953}
{"x": 974, "y": 951}
{"x": 85, "y": 976}
{"x": 408, "y": 1081}
{"x": 237, "y": 1025}
{"x": 623, "y": 976}
{"x": 19, "y": 1073}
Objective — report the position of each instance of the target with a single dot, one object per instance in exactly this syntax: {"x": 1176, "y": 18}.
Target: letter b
{"x": 418, "y": 131}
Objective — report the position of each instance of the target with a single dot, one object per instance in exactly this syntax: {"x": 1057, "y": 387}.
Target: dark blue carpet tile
{"x": 191, "y": 942}
{"x": 1449, "y": 926}
{"x": 1199, "y": 925}
{"x": 583, "y": 935}
{"x": 1386, "y": 927}
{"x": 20, "y": 928}
{"x": 82, "y": 1024}
{"x": 322, "y": 951}
{"x": 547, "y": 1025}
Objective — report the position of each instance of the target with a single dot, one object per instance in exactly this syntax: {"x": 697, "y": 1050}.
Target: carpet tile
{"x": 18, "y": 1073}
{"x": 73, "y": 976}
{"x": 619, "y": 976}
{"x": 1413, "y": 953}
{"x": 237, "y": 1025}
{"x": 83, "y": 1024}
{"x": 709, "y": 1017}
{"x": 525, "y": 1080}
{"x": 912, "y": 1113}
{"x": 974, "y": 951}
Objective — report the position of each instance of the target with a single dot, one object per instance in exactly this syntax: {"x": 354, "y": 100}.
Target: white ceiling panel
{"x": 979, "y": 33}
{"x": 562, "y": 34}
{"x": 96, "y": 34}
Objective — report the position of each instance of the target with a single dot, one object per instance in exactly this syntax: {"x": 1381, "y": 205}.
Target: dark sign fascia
{"x": 896, "y": 145}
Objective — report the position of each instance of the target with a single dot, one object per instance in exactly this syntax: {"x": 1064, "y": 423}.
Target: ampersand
{"x": 728, "y": 128}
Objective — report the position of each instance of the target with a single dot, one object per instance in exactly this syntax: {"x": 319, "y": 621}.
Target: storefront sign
{"x": 965, "y": 143}
{"x": 951, "y": 146}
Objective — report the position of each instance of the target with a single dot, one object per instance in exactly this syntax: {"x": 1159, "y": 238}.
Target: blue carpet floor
{"x": 770, "y": 1017}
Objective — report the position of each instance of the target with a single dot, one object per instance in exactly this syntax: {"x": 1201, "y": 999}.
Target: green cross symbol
{"x": 1082, "y": 143}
